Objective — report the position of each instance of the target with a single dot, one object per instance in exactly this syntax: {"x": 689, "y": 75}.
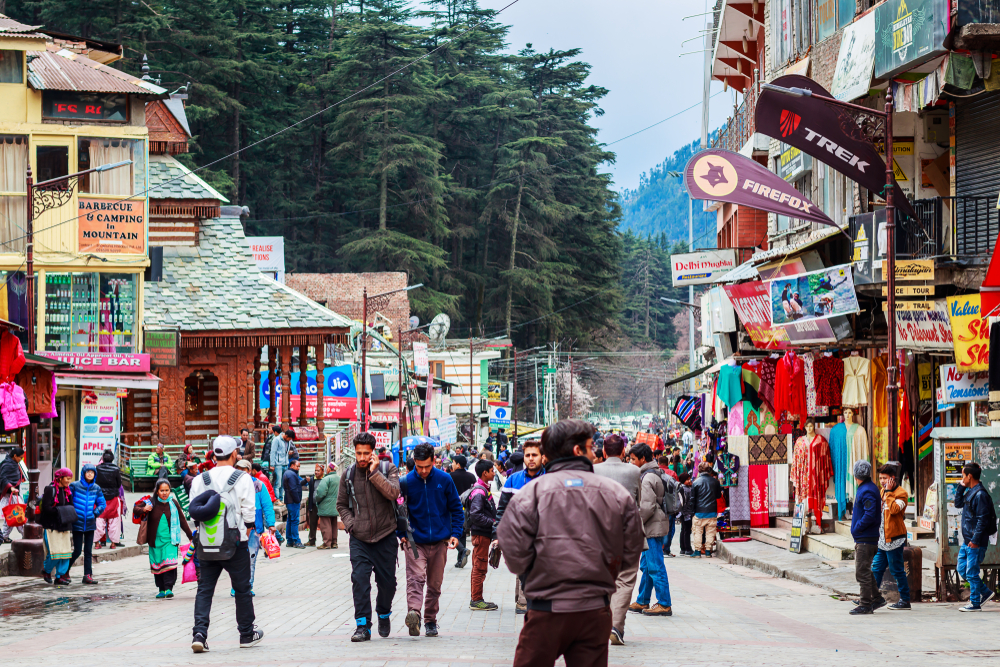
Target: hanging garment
{"x": 880, "y": 411}
{"x": 994, "y": 396}
{"x": 811, "y": 472}
{"x": 828, "y": 374}
{"x": 739, "y": 445}
{"x": 751, "y": 419}
{"x": 768, "y": 422}
{"x": 734, "y": 423}
{"x": 12, "y": 406}
{"x": 841, "y": 457}
{"x": 856, "y": 379}
{"x": 51, "y": 413}
{"x": 688, "y": 410}
{"x": 777, "y": 489}
{"x": 728, "y": 466}
{"x": 858, "y": 450}
{"x": 17, "y": 298}
{"x": 790, "y": 386}
{"x": 739, "y": 497}
{"x": 37, "y": 384}
{"x": 751, "y": 387}
{"x": 767, "y": 449}
{"x": 911, "y": 380}
{"x": 767, "y": 370}
{"x": 4, "y": 315}
{"x": 759, "y": 514}
{"x": 730, "y": 386}
{"x": 904, "y": 420}
{"x": 812, "y": 407}
{"x": 11, "y": 356}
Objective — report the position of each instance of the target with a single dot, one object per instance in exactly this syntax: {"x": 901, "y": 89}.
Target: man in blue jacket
{"x": 979, "y": 522}
{"x": 436, "y": 521}
{"x": 292, "y": 485}
{"x": 865, "y": 522}
{"x": 533, "y": 467}
{"x": 88, "y": 500}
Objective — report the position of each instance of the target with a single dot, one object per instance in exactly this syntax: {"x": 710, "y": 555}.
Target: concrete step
{"x": 843, "y": 528}
{"x": 776, "y": 537}
{"x": 829, "y": 546}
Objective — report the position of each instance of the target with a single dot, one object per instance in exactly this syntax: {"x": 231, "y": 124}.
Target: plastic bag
{"x": 270, "y": 545}
{"x": 15, "y": 514}
{"x": 190, "y": 572}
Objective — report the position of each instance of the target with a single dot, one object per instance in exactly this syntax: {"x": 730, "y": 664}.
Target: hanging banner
{"x": 721, "y": 175}
{"x": 924, "y": 329}
{"x": 752, "y": 303}
{"x": 826, "y": 132}
{"x": 959, "y": 387}
{"x": 970, "y": 332}
{"x": 340, "y": 394}
{"x": 990, "y": 289}
{"x": 421, "y": 365}
{"x": 853, "y": 75}
{"x": 814, "y": 295}
{"x": 908, "y": 33}
{"x": 697, "y": 268}
{"x": 862, "y": 230}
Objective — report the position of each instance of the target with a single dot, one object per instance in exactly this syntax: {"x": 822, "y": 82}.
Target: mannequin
{"x": 857, "y": 448}
{"x": 811, "y": 471}
{"x": 840, "y": 456}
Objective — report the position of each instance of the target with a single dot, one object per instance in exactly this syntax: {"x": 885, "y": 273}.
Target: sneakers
{"x": 900, "y": 606}
{"x": 297, "y": 546}
{"x": 87, "y": 579}
{"x": 617, "y": 637}
{"x": 251, "y": 639}
{"x": 47, "y": 577}
{"x": 670, "y": 555}
{"x": 384, "y": 627}
{"x": 161, "y": 595}
{"x": 199, "y": 644}
{"x": 878, "y": 604}
{"x": 970, "y": 607}
{"x": 322, "y": 546}
{"x": 989, "y": 596}
{"x": 861, "y": 610}
{"x": 638, "y": 608}
{"x": 520, "y": 608}
{"x": 362, "y": 634}
{"x": 168, "y": 594}
{"x": 694, "y": 554}
{"x": 482, "y": 605}
{"x": 430, "y": 629}
{"x": 311, "y": 543}
{"x": 657, "y": 610}
{"x": 63, "y": 581}
{"x": 412, "y": 621}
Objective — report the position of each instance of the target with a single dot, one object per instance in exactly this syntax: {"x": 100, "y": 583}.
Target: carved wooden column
{"x": 303, "y": 383}
{"x": 256, "y": 388}
{"x": 320, "y": 386}
{"x": 286, "y": 387}
{"x": 271, "y": 393}
{"x": 154, "y": 409}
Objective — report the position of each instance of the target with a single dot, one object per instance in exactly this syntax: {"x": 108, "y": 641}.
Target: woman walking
{"x": 88, "y": 499}
{"x": 57, "y": 519}
{"x": 164, "y": 523}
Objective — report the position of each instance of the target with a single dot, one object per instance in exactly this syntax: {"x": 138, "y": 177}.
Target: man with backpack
{"x": 531, "y": 457}
{"x": 482, "y": 521}
{"x": 366, "y": 503}
{"x": 464, "y": 480}
{"x": 436, "y": 520}
{"x": 979, "y": 522}
{"x": 223, "y": 506}
{"x": 654, "y": 487}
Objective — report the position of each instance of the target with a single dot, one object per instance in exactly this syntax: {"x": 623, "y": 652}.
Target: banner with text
{"x": 100, "y": 424}
{"x": 970, "y": 332}
{"x": 697, "y": 268}
{"x": 959, "y": 387}
{"x": 924, "y": 329}
{"x": 752, "y": 303}
{"x": 340, "y": 396}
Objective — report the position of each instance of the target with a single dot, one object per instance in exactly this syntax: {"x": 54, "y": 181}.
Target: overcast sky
{"x": 633, "y": 48}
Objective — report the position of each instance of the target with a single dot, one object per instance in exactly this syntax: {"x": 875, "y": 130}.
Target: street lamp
{"x": 378, "y": 302}
{"x": 874, "y": 124}
{"x": 677, "y": 174}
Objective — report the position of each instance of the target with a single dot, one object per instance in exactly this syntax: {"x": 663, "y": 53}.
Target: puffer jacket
{"x": 654, "y": 522}
{"x": 705, "y": 491}
{"x": 570, "y": 552}
{"x": 88, "y": 499}
{"x": 893, "y": 512}
{"x": 264, "y": 512}
{"x": 373, "y": 516}
{"x": 109, "y": 478}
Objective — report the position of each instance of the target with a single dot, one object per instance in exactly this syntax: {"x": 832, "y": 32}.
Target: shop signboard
{"x": 163, "y": 347}
{"x": 908, "y": 33}
{"x": 826, "y": 19}
{"x": 421, "y": 364}
{"x": 499, "y": 417}
{"x": 970, "y": 332}
{"x": 111, "y": 226}
{"x": 340, "y": 395}
{"x": 924, "y": 329}
{"x": 814, "y": 295}
{"x": 101, "y": 361}
{"x": 752, "y": 303}
{"x": 792, "y": 163}
{"x": 925, "y": 370}
{"x": 853, "y": 75}
{"x": 942, "y": 405}
{"x": 862, "y": 230}
{"x": 959, "y": 387}
{"x": 100, "y": 424}
{"x": 383, "y": 437}
{"x": 447, "y": 428}
{"x": 698, "y": 268}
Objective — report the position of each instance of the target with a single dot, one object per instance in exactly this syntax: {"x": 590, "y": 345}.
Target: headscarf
{"x": 175, "y": 522}
{"x": 67, "y": 498}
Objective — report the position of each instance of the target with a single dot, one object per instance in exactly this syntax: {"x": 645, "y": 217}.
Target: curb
{"x": 774, "y": 570}
{"x": 8, "y": 564}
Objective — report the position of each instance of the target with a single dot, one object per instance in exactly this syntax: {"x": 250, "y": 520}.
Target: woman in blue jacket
{"x": 264, "y": 520}
{"x": 88, "y": 500}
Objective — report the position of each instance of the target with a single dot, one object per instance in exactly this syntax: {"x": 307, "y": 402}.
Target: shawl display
{"x": 777, "y": 489}
{"x": 739, "y": 497}
{"x": 768, "y": 449}
{"x": 840, "y": 456}
{"x": 740, "y": 446}
{"x": 688, "y": 410}
{"x": 811, "y": 472}
{"x": 759, "y": 514}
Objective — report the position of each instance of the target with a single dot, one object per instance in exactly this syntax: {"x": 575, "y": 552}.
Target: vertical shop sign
{"x": 100, "y": 424}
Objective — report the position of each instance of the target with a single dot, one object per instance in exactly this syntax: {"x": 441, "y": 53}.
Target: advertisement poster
{"x": 696, "y": 268}
{"x": 421, "y": 364}
{"x": 959, "y": 387}
{"x": 752, "y": 303}
{"x": 907, "y": 33}
{"x": 112, "y": 227}
{"x": 814, "y": 295}
{"x": 853, "y": 75}
{"x": 100, "y": 425}
{"x": 340, "y": 395}
{"x": 924, "y": 329}
{"x": 970, "y": 332}
{"x": 268, "y": 254}
{"x": 383, "y": 438}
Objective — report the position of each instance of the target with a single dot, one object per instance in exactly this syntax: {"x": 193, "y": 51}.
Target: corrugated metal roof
{"x": 59, "y": 69}
{"x": 9, "y": 26}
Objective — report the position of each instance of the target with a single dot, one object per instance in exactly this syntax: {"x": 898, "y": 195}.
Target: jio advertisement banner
{"x": 340, "y": 393}
{"x": 100, "y": 424}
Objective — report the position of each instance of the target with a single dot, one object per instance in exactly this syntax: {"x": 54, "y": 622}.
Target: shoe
{"x": 670, "y": 555}
{"x": 119, "y": 544}
{"x": 63, "y": 581}
{"x": 98, "y": 546}
{"x": 878, "y": 604}
{"x": 311, "y": 543}
{"x": 169, "y": 594}
{"x": 707, "y": 554}
{"x": 412, "y": 621}
{"x": 232, "y": 592}
{"x": 112, "y": 545}
{"x": 298, "y": 546}
{"x": 87, "y": 579}
{"x": 638, "y": 608}
{"x": 430, "y": 629}
{"x": 7, "y": 540}
{"x": 465, "y": 558}
{"x": 861, "y": 610}
{"x": 520, "y": 608}
{"x": 335, "y": 546}
{"x": 657, "y": 610}
{"x": 970, "y": 607}
{"x": 617, "y": 637}
{"x": 322, "y": 546}
{"x": 252, "y": 639}
{"x": 900, "y": 606}
{"x": 694, "y": 554}
{"x": 482, "y": 605}
{"x": 989, "y": 596}
{"x": 384, "y": 627}
{"x": 161, "y": 595}
{"x": 47, "y": 577}
{"x": 199, "y": 644}
{"x": 362, "y": 634}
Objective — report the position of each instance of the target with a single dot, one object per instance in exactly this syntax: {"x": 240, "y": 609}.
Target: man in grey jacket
{"x": 572, "y": 551}
{"x": 628, "y": 476}
{"x": 655, "y": 525}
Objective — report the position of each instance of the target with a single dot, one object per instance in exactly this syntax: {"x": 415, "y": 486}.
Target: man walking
{"x": 436, "y": 521}
{"x": 291, "y": 484}
{"x": 464, "y": 480}
{"x": 571, "y": 552}
{"x": 265, "y": 453}
{"x": 12, "y": 475}
{"x": 532, "y": 460}
{"x": 226, "y": 496}
{"x": 864, "y": 530}
{"x": 263, "y": 520}
{"x": 366, "y": 503}
{"x": 312, "y": 513}
{"x": 655, "y": 526}
{"x": 892, "y": 536}
{"x": 979, "y": 522}
{"x": 482, "y": 519}
{"x": 705, "y": 492}
{"x": 326, "y": 506}
{"x": 280, "y": 450}
{"x": 628, "y": 476}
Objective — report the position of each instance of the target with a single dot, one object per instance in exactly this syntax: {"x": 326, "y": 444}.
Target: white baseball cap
{"x": 224, "y": 445}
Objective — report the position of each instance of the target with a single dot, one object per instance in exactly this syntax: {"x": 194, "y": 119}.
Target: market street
{"x": 723, "y": 615}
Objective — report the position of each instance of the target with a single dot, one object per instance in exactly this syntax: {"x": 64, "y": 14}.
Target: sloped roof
{"x": 169, "y": 179}
{"x": 343, "y": 292}
{"x": 217, "y": 287}
{"x": 60, "y": 69}
{"x": 176, "y": 108}
{"x": 9, "y": 26}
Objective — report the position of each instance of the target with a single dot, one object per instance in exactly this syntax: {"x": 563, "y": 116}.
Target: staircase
{"x": 834, "y": 545}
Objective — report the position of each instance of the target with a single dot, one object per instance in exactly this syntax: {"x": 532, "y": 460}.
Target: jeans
{"x": 893, "y": 560}
{"x": 685, "y": 536}
{"x": 292, "y": 524}
{"x": 279, "y": 488}
{"x": 969, "y": 560}
{"x": 238, "y": 568}
{"x": 253, "y": 545}
{"x": 379, "y": 557}
{"x": 670, "y": 535}
{"x": 864, "y": 554}
{"x": 654, "y": 574}
{"x": 83, "y": 541}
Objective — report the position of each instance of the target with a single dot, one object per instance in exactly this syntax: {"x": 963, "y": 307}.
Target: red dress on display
{"x": 790, "y": 387}
{"x": 812, "y": 468}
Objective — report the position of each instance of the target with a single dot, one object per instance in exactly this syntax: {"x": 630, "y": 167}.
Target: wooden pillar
{"x": 286, "y": 387}
{"x": 303, "y": 383}
{"x": 154, "y": 410}
{"x": 256, "y": 388}
{"x": 271, "y": 393}
{"x": 320, "y": 386}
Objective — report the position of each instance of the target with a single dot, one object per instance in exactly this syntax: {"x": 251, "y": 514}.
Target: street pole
{"x": 472, "y": 425}
{"x": 691, "y": 294}
{"x": 399, "y": 396}
{"x": 890, "y": 315}
{"x": 571, "y": 385}
{"x": 364, "y": 359}
{"x": 513, "y": 406}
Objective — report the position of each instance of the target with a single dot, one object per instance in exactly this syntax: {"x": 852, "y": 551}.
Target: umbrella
{"x": 412, "y": 441}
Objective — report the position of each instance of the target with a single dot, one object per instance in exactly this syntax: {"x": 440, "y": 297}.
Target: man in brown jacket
{"x": 892, "y": 535}
{"x": 366, "y": 503}
{"x": 571, "y": 553}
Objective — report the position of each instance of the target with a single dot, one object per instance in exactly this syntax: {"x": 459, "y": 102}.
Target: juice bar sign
{"x": 111, "y": 226}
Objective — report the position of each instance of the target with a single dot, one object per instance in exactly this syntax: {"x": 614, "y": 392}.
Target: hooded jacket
{"x": 570, "y": 532}
{"x": 978, "y": 514}
{"x": 433, "y": 507}
{"x": 88, "y": 499}
{"x": 373, "y": 516}
{"x": 893, "y": 510}
{"x": 654, "y": 522}
{"x": 109, "y": 478}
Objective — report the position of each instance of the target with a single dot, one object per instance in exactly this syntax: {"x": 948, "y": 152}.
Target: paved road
{"x": 724, "y": 615}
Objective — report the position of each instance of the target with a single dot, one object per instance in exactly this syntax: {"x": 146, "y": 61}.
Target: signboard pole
{"x": 890, "y": 225}
{"x": 691, "y": 287}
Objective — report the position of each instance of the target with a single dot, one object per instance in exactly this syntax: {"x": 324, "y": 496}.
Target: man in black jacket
{"x": 109, "y": 524}
{"x": 265, "y": 453}
{"x": 312, "y": 511}
{"x": 483, "y": 518}
{"x": 11, "y": 478}
{"x": 705, "y": 491}
{"x": 979, "y": 522}
{"x": 463, "y": 482}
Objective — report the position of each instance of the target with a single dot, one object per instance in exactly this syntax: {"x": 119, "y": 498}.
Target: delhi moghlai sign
{"x": 111, "y": 226}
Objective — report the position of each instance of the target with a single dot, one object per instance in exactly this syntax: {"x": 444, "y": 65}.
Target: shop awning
{"x": 688, "y": 376}
{"x": 116, "y": 380}
{"x": 744, "y": 271}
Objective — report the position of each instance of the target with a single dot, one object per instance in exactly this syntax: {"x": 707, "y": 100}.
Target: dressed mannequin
{"x": 811, "y": 471}
{"x": 857, "y": 448}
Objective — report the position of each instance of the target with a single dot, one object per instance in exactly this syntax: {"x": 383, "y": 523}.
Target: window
{"x": 90, "y": 312}
{"x": 437, "y": 369}
{"x": 826, "y": 18}
{"x": 13, "y": 192}
{"x": 11, "y": 66}
{"x": 845, "y": 12}
{"x": 127, "y": 180}
{"x": 94, "y": 107}
{"x": 52, "y": 162}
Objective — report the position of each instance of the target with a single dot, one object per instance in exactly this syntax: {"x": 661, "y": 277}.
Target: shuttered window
{"x": 977, "y": 173}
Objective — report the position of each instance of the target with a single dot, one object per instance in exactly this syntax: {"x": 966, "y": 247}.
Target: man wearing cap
{"x": 238, "y": 566}
{"x": 865, "y": 523}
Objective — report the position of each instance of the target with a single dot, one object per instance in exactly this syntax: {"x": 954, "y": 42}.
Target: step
{"x": 785, "y": 522}
{"x": 843, "y": 528}
{"x": 776, "y": 537}
{"x": 829, "y": 546}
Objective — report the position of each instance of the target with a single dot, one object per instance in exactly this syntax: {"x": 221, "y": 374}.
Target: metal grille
{"x": 977, "y": 173}
{"x": 922, "y": 237}
{"x": 738, "y": 129}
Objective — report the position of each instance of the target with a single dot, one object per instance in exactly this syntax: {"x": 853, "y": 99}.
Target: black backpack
{"x": 672, "y": 501}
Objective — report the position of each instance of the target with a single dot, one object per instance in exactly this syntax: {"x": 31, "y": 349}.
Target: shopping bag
{"x": 15, "y": 514}
{"x": 270, "y": 545}
{"x": 190, "y": 572}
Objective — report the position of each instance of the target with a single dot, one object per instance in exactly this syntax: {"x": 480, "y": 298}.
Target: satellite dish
{"x": 439, "y": 328}
{"x": 414, "y": 321}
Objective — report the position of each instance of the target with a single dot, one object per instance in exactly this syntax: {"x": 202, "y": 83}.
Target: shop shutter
{"x": 977, "y": 173}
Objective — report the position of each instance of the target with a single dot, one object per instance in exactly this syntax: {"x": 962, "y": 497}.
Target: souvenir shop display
{"x": 790, "y": 387}
{"x": 856, "y": 379}
{"x": 811, "y": 470}
{"x": 730, "y": 384}
{"x": 828, "y": 374}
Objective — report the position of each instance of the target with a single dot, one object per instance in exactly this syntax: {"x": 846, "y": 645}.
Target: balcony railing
{"x": 737, "y": 131}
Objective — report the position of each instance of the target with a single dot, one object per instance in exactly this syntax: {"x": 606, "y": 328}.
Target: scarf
{"x": 757, "y": 476}
{"x": 175, "y": 522}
